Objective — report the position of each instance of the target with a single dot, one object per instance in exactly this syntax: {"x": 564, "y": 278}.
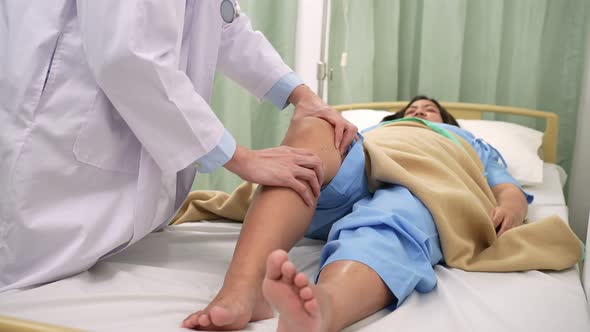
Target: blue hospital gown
{"x": 390, "y": 231}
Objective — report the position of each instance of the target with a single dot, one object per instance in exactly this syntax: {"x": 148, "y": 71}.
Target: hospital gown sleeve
{"x": 496, "y": 171}
{"x": 132, "y": 50}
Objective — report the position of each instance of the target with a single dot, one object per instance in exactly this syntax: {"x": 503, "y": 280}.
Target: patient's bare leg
{"x": 347, "y": 291}
{"x": 277, "y": 219}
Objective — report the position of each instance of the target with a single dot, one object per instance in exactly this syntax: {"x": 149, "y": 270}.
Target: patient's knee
{"x": 316, "y": 135}
{"x": 309, "y": 131}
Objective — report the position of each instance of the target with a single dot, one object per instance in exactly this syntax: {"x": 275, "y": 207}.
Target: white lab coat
{"x": 103, "y": 110}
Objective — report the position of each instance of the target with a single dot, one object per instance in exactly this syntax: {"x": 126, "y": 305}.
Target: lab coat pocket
{"x": 105, "y": 141}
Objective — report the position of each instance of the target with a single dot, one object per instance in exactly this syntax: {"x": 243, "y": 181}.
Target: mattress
{"x": 157, "y": 282}
{"x": 550, "y": 192}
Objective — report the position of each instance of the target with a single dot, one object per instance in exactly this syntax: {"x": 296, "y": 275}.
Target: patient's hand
{"x": 505, "y": 219}
{"x": 512, "y": 207}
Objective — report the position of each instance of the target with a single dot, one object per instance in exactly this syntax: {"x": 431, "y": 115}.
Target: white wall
{"x": 579, "y": 190}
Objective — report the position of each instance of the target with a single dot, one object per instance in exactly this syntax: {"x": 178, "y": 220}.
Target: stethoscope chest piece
{"x": 229, "y": 11}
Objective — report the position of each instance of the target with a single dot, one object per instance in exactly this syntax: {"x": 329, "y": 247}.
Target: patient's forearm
{"x": 512, "y": 198}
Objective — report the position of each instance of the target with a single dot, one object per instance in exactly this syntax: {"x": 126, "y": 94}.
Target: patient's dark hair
{"x": 444, "y": 114}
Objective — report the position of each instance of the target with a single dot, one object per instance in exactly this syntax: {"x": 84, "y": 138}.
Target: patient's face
{"x": 424, "y": 109}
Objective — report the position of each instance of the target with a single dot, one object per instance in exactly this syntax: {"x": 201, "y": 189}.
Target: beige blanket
{"x": 448, "y": 180}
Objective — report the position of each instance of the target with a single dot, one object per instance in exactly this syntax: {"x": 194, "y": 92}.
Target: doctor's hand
{"x": 307, "y": 103}
{"x": 282, "y": 166}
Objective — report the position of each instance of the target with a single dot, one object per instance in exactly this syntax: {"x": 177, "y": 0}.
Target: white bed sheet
{"x": 154, "y": 284}
{"x": 551, "y": 191}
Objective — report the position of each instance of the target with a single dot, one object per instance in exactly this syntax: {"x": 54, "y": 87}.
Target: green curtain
{"x": 524, "y": 53}
{"x": 254, "y": 125}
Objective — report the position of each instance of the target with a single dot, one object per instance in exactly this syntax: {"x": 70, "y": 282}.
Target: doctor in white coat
{"x": 105, "y": 120}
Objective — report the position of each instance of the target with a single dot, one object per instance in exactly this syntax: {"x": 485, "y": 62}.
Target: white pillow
{"x": 519, "y": 145}
{"x": 364, "y": 119}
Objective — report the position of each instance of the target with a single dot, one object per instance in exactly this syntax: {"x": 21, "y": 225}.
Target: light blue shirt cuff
{"x": 217, "y": 157}
{"x": 280, "y": 92}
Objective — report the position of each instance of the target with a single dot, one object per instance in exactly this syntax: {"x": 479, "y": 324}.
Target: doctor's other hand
{"x": 282, "y": 166}
{"x": 307, "y": 103}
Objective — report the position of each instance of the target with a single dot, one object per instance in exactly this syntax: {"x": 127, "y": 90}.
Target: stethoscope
{"x": 230, "y": 10}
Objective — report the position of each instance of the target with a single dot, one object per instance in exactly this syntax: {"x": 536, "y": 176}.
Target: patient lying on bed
{"x": 377, "y": 214}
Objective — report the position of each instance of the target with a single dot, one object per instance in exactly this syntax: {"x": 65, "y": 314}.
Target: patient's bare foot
{"x": 232, "y": 309}
{"x": 291, "y": 295}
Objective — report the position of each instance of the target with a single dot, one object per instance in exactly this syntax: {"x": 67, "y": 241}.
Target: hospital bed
{"x": 157, "y": 282}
